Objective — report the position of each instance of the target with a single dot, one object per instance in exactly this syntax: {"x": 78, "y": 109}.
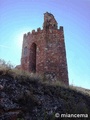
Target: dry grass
{"x": 80, "y": 89}
{"x": 6, "y": 68}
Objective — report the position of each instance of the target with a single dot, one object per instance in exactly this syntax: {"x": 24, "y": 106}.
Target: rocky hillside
{"x": 27, "y": 98}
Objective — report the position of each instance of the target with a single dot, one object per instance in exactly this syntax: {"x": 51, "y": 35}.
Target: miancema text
{"x": 74, "y": 115}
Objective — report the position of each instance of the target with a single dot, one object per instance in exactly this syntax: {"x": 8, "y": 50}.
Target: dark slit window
{"x": 25, "y": 51}
{"x": 33, "y": 57}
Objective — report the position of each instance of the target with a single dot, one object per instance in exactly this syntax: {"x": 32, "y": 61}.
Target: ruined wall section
{"x": 49, "y": 21}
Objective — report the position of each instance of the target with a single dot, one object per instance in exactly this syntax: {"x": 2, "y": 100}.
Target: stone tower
{"x": 43, "y": 51}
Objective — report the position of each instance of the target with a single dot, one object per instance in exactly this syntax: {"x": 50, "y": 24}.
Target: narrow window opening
{"x": 25, "y": 50}
{"x": 33, "y": 58}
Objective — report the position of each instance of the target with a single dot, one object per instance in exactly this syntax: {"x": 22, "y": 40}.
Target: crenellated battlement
{"x": 33, "y": 32}
{"x": 25, "y": 35}
{"x": 38, "y": 29}
{"x": 61, "y": 28}
{"x": 29, "y": 33}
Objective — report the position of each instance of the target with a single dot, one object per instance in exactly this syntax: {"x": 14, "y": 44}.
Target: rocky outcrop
{"x": 31, "y": 100}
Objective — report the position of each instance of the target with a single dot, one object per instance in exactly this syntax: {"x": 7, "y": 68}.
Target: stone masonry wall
{"x": 43, "y": 51}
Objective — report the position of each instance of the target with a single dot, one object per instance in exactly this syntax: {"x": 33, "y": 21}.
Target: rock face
{"x": 43, "y": 51}
{"x": 32, "y": 100}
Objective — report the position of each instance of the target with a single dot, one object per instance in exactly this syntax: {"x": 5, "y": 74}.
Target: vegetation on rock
{"x": 25, "y": 96}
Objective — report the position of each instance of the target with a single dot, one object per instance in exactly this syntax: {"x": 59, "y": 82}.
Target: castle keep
{"x": 43, "y": 51}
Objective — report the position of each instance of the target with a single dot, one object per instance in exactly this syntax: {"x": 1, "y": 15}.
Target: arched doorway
{"x": 33, "y": 57}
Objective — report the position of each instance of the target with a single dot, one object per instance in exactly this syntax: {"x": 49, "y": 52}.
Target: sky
{"x": 21, "y": 16}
